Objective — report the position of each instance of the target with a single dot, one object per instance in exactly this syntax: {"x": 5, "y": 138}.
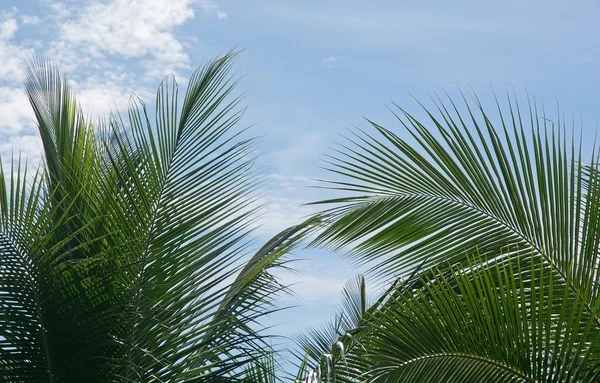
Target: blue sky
{"x": 312, "y": 69}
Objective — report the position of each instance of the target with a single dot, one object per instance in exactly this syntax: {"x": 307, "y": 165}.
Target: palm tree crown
{"x": 119, "y": 255}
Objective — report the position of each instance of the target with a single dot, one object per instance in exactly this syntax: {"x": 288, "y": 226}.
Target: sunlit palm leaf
{"x": 468, "y": 185}
{"x": 505, "y": 187}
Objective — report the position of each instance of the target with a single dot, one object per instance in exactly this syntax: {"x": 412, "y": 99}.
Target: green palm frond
{"x": 507, "y": 187}
{"x": 473, "y": 324}
{"x": 22, "y": 330}
{"x": 261, "y": 371}
{"x": 50, "y": 225}
{"x": 480, "y": 324}
{"x": 467, "y": 185}
{"x": 337, "y": 337}
{"x": 186, "y": 186}
{"x": 123, "y": 259}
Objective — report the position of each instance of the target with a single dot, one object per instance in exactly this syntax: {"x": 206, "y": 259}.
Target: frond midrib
{"x": 548, "y": 260}
{"x": 146, "y": 251}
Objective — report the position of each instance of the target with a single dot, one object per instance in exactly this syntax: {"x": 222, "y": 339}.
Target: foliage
{"x": 119, "y": 255}
{"x": 491, "y": 224}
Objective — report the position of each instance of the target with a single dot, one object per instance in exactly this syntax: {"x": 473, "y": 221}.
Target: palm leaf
{"x": 508, "y": 188}
{"x": 467, "y": 185}
{"x": 186, "y": 189}
{"x": 335, "y": 338}
{"x": 119, "y": 261}
{"x": 480, "y": 324}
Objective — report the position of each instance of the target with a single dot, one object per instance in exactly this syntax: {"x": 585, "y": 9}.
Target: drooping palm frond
{"x": 471, "y": 324}
{"x": 468, "y": 185}
{"x": 121, "y": 258}
{"x": 480, "y": 324}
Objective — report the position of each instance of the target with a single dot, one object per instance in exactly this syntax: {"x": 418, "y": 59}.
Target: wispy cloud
{"x": 284, "y": 205}
{"x": 328, "y": 61}
{"x": 310, "y": 145}
{"x": 321, "y": 282}
{"x": 212, "y": 9}
{"x": 30, "y": 20}
{"x": 107, "y": 48}
{"x": 16, "y": 128}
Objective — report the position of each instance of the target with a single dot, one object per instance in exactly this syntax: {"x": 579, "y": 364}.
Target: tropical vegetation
{"x": 120, "y": 255}
{"x": 487, "y": 225}
{"x": 128, "y": 255}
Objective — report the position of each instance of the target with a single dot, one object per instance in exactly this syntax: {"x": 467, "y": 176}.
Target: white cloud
{"x": 59, "y": 10}
{"x": 14, "y": 106}
{"x": 28, "y": 145}
{"x": 8, "y": 28}
{"x": 144, "y": 30}
{"x": 212, "y": 8}
{"x": 11, "y": 55}
{"x": 112, "y": 48}
{"x": 130, "y": 29}
{"x": 328, "y": 61}
{"x": 7, "y": 13}
{"x": 15, "y": 110}
{"x": 280, "y": 213}
{"x": 320, "y": 277}
{"x": 100, "y": 95}
{"x": 30, "y": 20}
{"x": 289, "y": 192}
{"x": 284, "y": 205}
{"x": 107, "y": 48}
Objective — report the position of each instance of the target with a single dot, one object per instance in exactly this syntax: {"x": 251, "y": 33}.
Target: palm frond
{"x": 119, "y": 261}
{"x": 186, "y": 189}
{"x": 337, "y": 337}
{"x": 471, "y": 183}
{"x": 480, "y": 324}
{"x": 509, "y": 188}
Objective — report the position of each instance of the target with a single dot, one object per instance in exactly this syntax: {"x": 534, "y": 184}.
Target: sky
{"x": 311, "y": 70}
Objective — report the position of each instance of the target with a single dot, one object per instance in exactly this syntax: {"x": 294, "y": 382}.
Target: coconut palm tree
{"x": 120, "y": 256}
{"x": 488, "y": 225}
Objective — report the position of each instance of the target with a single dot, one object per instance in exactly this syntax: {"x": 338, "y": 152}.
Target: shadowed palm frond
{"x": 480, "y": 324}
{"x": 473, "y": 324}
